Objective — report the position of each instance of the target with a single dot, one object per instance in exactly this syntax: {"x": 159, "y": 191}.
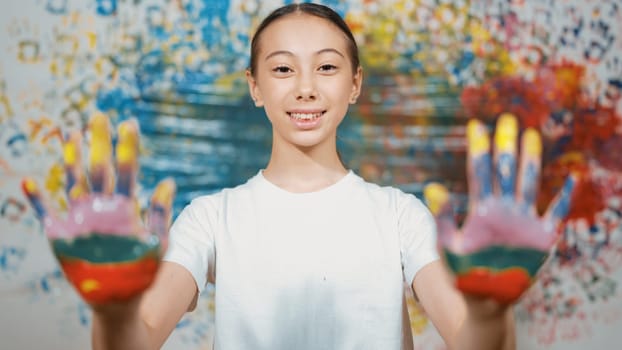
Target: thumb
{"x": 438, "y": 199}
{"x": 160, "y": 210}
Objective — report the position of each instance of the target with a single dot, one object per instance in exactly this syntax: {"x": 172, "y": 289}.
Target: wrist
{"x": 486, "y": 310}
{"x": 117, "y": 314}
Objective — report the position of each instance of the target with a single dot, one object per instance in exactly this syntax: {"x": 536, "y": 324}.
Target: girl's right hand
{"x": 101, "y": 243}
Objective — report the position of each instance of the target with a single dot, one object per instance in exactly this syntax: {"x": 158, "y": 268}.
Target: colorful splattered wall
{"x": 178, "y": 67}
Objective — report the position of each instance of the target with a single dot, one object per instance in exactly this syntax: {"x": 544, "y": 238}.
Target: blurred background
{"x": 178, "y": 67}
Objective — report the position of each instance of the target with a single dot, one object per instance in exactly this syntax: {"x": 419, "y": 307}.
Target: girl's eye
{"x": 282, "y": 69}
{"x": 327, "y": 67}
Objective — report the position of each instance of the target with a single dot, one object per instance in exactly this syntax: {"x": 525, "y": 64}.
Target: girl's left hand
{"x": 503, "y": 242}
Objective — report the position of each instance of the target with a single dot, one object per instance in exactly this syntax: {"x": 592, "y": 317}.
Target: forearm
{"x": 125, "y": 330}
{"x": 479, "y": 336}
{"x": 492, "y": 332}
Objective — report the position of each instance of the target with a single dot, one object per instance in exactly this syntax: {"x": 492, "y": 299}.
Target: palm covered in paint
{"x": 101, "y": 243}
{"x": 503, "y": 242}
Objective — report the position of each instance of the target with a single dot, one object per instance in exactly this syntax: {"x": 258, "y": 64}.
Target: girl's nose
{"x": 306, "y": 89}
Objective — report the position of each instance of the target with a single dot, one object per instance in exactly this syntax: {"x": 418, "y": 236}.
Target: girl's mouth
{"x": 305, "y": 117}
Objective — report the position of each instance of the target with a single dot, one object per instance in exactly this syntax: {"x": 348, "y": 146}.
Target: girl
{"x": 305, "y": 254}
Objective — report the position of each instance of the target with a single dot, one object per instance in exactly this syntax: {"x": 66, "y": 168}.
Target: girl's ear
{"x": 357, "y": 82}
{"x": 253, "y": 89}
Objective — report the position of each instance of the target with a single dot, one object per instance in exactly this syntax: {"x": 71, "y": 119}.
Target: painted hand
{"x": 101, "y": 243}
{"x": 503, "y": 242}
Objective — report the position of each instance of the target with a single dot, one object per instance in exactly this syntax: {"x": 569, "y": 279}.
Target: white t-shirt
{"x": 318, "y": 270}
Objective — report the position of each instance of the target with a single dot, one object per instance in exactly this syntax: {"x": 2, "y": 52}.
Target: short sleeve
{"x": 191, "y": 242}
{"x": 417, "y": 230}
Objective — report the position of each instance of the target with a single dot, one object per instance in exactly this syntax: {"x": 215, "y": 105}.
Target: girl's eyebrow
{"x": 289, "y": 53}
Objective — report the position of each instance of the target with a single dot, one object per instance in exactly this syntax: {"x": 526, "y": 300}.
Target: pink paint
{"x": 497, "y": 223}
{"x": 105, "y": 214}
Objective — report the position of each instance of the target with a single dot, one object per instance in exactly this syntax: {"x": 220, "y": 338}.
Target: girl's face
{"x": 304, "y": 79}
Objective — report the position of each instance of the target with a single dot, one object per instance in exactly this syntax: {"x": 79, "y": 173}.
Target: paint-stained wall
{"x": 178, "y": 67}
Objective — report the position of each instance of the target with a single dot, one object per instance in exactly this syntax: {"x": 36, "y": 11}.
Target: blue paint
{"x": 45, "y": 286}
{"x": 183, "y": 323}
{"x": 339, "y": 6}
{"x": 17, "y": 144}
{"x": 56, "y": 7}
{"x": 12, "y": 208}
{"x": 84, "y": 313}
{"x": 214, "y": 16}
{"x": 506, "y": 173}
{"x": 571, "y": 34}
{"x": 10, "y": 257}
{"x": 124, "y": 183}
{"x": 528, "y": 185}
{"x": 106, "y": 7}
{"x": 562, "y": 205}
{"x": 97, "y": 181}
{"x": 482, "y": 172}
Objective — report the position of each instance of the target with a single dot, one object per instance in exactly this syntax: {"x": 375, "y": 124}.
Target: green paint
{"x": 105, "y": 248}
{"x": 497, "y": 258}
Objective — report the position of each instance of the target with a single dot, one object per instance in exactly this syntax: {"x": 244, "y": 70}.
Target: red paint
{"x": 117, "y": 281}
{"x": 591, "y": 194}
{"x": 504, "y": 286}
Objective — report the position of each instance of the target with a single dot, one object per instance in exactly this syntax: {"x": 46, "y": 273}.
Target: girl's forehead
{"x": 302, "y": 30}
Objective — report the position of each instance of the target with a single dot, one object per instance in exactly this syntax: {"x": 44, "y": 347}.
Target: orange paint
{"x": 101, "y": 283}
{"x": 504, "y": 286}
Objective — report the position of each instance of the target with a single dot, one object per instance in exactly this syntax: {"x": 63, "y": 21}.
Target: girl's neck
{"x": 298, "y": 170}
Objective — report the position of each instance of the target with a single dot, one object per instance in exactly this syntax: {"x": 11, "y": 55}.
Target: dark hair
{"x": 317, "y": 10}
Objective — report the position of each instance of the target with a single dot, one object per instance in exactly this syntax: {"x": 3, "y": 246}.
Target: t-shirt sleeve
{"x": 191, "y": 242}
{"x": 417, "y": 230}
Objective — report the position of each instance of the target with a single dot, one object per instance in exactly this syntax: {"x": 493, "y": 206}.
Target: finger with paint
{"x": 127, "y": 157}
{"x": 560, "y": 205}
{"x": 505, "y": 156}
{"x": 438, "y": 199}
{"x": 529, "y": 170}
{"x": 160, "y": 209}
{"x": 100, "y": 167}
{"x": 31, "y": 190}
{"x": 478, "y": 163}
{"x": 76, "y": 184}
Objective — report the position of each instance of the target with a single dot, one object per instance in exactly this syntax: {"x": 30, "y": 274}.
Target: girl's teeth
{"x": 305, "y": 116}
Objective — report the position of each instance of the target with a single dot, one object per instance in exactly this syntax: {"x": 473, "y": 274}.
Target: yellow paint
{"x": 506, "y": 133}
{"x": 4, "y": 101}
{"x": 89, "y": 285}
{"x": 164, "y": 192}
{"x": 100, "y": 154}
{"x": 127, "y": 147}
{"x": 101, "y": 149}
{"x": 70, "y": 154}
{"x": 68, "y": 67}
{"x": 477, "y": 137}
{"x": 532, "y": 144}
{"x": 92, "y": 39}
{"x": 126, "y": 154}
{"x": 436, "y": 196}
{"x": 55, "y": 179}
{"x": 418, "y": 319}
{"x": 54, "y": 68}
{"x": 496, "y": 58}
{"x": 30, "y": 186}
{"x": 77, "y": 191}
{"x": 99, "y": 126}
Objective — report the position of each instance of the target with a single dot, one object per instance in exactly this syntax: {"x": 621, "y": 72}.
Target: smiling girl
{"x": 306, "y": 254}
